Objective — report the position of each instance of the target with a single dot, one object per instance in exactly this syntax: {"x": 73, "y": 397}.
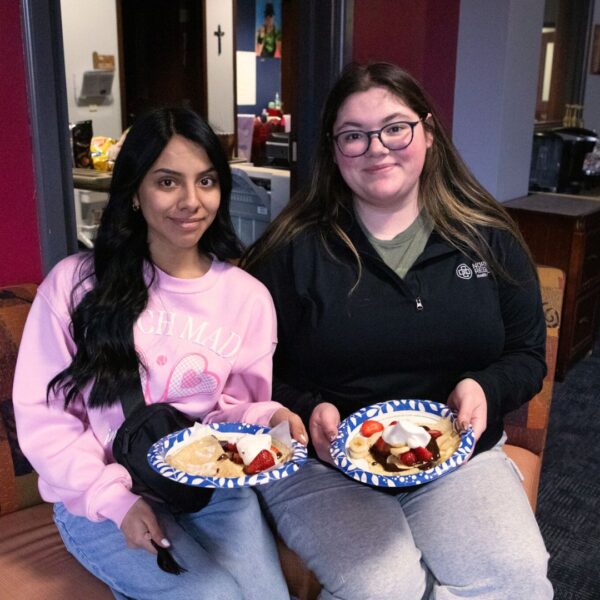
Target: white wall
{"x": 88, "y": 26}
{"x": 591, "y": 111}
{"x": 495, "y": 91}
{"x": 219, "y": 67}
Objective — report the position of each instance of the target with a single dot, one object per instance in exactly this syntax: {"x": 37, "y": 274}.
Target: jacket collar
{"x": 436, "y": 245}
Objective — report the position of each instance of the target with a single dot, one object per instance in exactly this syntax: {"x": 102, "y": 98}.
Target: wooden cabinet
{"x": 564, "y": 231}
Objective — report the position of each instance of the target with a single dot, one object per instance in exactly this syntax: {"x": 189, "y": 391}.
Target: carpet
{"x": 569, "y": 498}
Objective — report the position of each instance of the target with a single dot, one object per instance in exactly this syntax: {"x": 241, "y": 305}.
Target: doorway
{"x": 561, "y": 81}
{"x": 162, "y": 58}
{"x": 560, "y": 141}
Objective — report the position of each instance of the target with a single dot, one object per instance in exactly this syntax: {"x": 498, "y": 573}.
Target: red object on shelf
{"x": 261, "y": 133}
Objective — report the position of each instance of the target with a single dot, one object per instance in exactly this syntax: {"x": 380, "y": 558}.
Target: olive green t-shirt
{"x": 401, "y": 252}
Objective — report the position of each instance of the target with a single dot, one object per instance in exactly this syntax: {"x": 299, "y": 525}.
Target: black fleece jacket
{"x": 449, "y": 318}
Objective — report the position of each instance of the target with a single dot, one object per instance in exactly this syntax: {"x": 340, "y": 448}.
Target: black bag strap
{"x": 132, "y": 398}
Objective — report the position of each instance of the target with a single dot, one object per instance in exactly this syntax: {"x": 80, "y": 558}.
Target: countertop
{"x": 89, "y": 179}
{"x": 560, "y": 204}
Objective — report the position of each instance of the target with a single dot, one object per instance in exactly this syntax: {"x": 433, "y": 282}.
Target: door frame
{"x": 203, "y": 100}
{"x": 49, "y": 115}
{"x": 317, "y": 44}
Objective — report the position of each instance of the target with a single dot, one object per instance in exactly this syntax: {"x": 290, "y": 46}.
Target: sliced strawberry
{"x": 368, "y": 428}
{"x": 423, "y": 454}
{"x": 408, "y": 458}
{"x": 230, "y": 447}
{"x": 394, "y": 423}
{"x": 434, "y": 433}
{"x": 381, "y": 446}
{"x": 262, "y": 461}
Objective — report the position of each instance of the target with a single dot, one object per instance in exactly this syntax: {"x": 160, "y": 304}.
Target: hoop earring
{"x": 135, "y": 207}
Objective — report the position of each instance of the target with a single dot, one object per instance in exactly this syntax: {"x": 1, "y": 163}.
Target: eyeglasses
{"x": 395, "y": 136}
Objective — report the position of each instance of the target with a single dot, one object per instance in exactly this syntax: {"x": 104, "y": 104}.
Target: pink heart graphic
{"x": 190, "y": 379}
{"x": 191, "y": 376}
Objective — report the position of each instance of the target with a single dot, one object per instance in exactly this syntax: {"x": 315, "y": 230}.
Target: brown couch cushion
{"x": 18, "y": 482}
{"x": 530, "y": 466}
{"x": 527, "y": 426}
{"x": 35, "y": 564}
{"x": 301, "y": 582}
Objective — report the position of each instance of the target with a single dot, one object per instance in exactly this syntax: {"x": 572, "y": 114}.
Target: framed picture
{"x": 595, "y": 61}
{"x": 268, "y": 29}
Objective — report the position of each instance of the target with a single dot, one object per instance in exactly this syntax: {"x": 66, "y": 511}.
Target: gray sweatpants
{"x": 469, "y": 534}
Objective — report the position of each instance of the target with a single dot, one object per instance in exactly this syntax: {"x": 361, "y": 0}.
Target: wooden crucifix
{"x": 219, "y": 35}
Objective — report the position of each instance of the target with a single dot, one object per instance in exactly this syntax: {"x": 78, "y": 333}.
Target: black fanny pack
{"x": 143, "y": 426}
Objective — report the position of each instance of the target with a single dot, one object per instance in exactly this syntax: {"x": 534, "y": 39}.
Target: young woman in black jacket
{"x": 396, "y": 275}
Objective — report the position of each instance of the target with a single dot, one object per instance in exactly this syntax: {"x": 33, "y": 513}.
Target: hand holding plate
{"x": 324, "y": 423}
{"x": 297, "y": 428}
{"x": 468, "y": 399}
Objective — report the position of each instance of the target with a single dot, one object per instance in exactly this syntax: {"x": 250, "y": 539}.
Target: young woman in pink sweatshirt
{"x": 155, "y": 297}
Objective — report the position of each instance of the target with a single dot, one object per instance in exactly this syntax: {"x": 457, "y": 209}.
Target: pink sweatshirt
{"x": 207, "y": 344}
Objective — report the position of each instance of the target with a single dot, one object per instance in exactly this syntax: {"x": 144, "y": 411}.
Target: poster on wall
{"x": 268, "y": 29}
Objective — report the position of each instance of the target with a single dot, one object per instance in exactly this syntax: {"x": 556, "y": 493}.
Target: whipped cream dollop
{"x": 405, "y": 433}
{"x": 248, "y": 446}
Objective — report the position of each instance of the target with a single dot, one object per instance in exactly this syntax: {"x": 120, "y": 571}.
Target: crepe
{"x": 201, "y": 457}
{"x": 361, "y": 450}
{"x": 210, "y": 456}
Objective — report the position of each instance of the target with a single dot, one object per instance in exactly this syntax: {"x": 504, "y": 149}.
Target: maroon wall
{"x": 20, "y": 255}
{"x": 420, "y": 36}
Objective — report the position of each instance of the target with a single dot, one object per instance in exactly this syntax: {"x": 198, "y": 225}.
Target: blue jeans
{"x": 227, "y": 549}
{"x": 469, "y": 534}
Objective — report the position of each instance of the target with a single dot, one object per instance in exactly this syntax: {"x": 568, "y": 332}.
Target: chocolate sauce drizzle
{"x": 381, "y": 457}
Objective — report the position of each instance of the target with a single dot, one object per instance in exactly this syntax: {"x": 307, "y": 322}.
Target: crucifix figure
{"x": 219, "y": 35}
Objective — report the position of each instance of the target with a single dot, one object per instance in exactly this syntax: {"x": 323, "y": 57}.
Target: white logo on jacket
{"x": 481, "y": 269}
{"x": 464, "y": 271}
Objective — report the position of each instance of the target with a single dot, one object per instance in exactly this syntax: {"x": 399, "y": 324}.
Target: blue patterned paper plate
{"x": 424, "y": 410}
{"x": 158, "y": 452}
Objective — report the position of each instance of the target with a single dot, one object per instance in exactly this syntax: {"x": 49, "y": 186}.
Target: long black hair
{"x": 120, "y": 266}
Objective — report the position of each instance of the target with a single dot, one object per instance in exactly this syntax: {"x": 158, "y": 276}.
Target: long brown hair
{"x": 455, "y": 201}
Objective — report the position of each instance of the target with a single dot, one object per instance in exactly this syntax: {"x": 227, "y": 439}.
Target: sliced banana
{"x": 398, "y": 450}
{"x": 358, "y": 447}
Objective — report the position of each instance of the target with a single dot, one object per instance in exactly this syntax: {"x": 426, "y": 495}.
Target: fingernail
{"x": 165, "y": 542}
{"x": 332, "y": 436}
{"x": 302, "y": 438}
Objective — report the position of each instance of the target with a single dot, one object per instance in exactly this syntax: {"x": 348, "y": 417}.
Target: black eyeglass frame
{"x": 377, "y": 132}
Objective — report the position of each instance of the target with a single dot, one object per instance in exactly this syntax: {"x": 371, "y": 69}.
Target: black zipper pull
{"x": 419, "y": 303}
